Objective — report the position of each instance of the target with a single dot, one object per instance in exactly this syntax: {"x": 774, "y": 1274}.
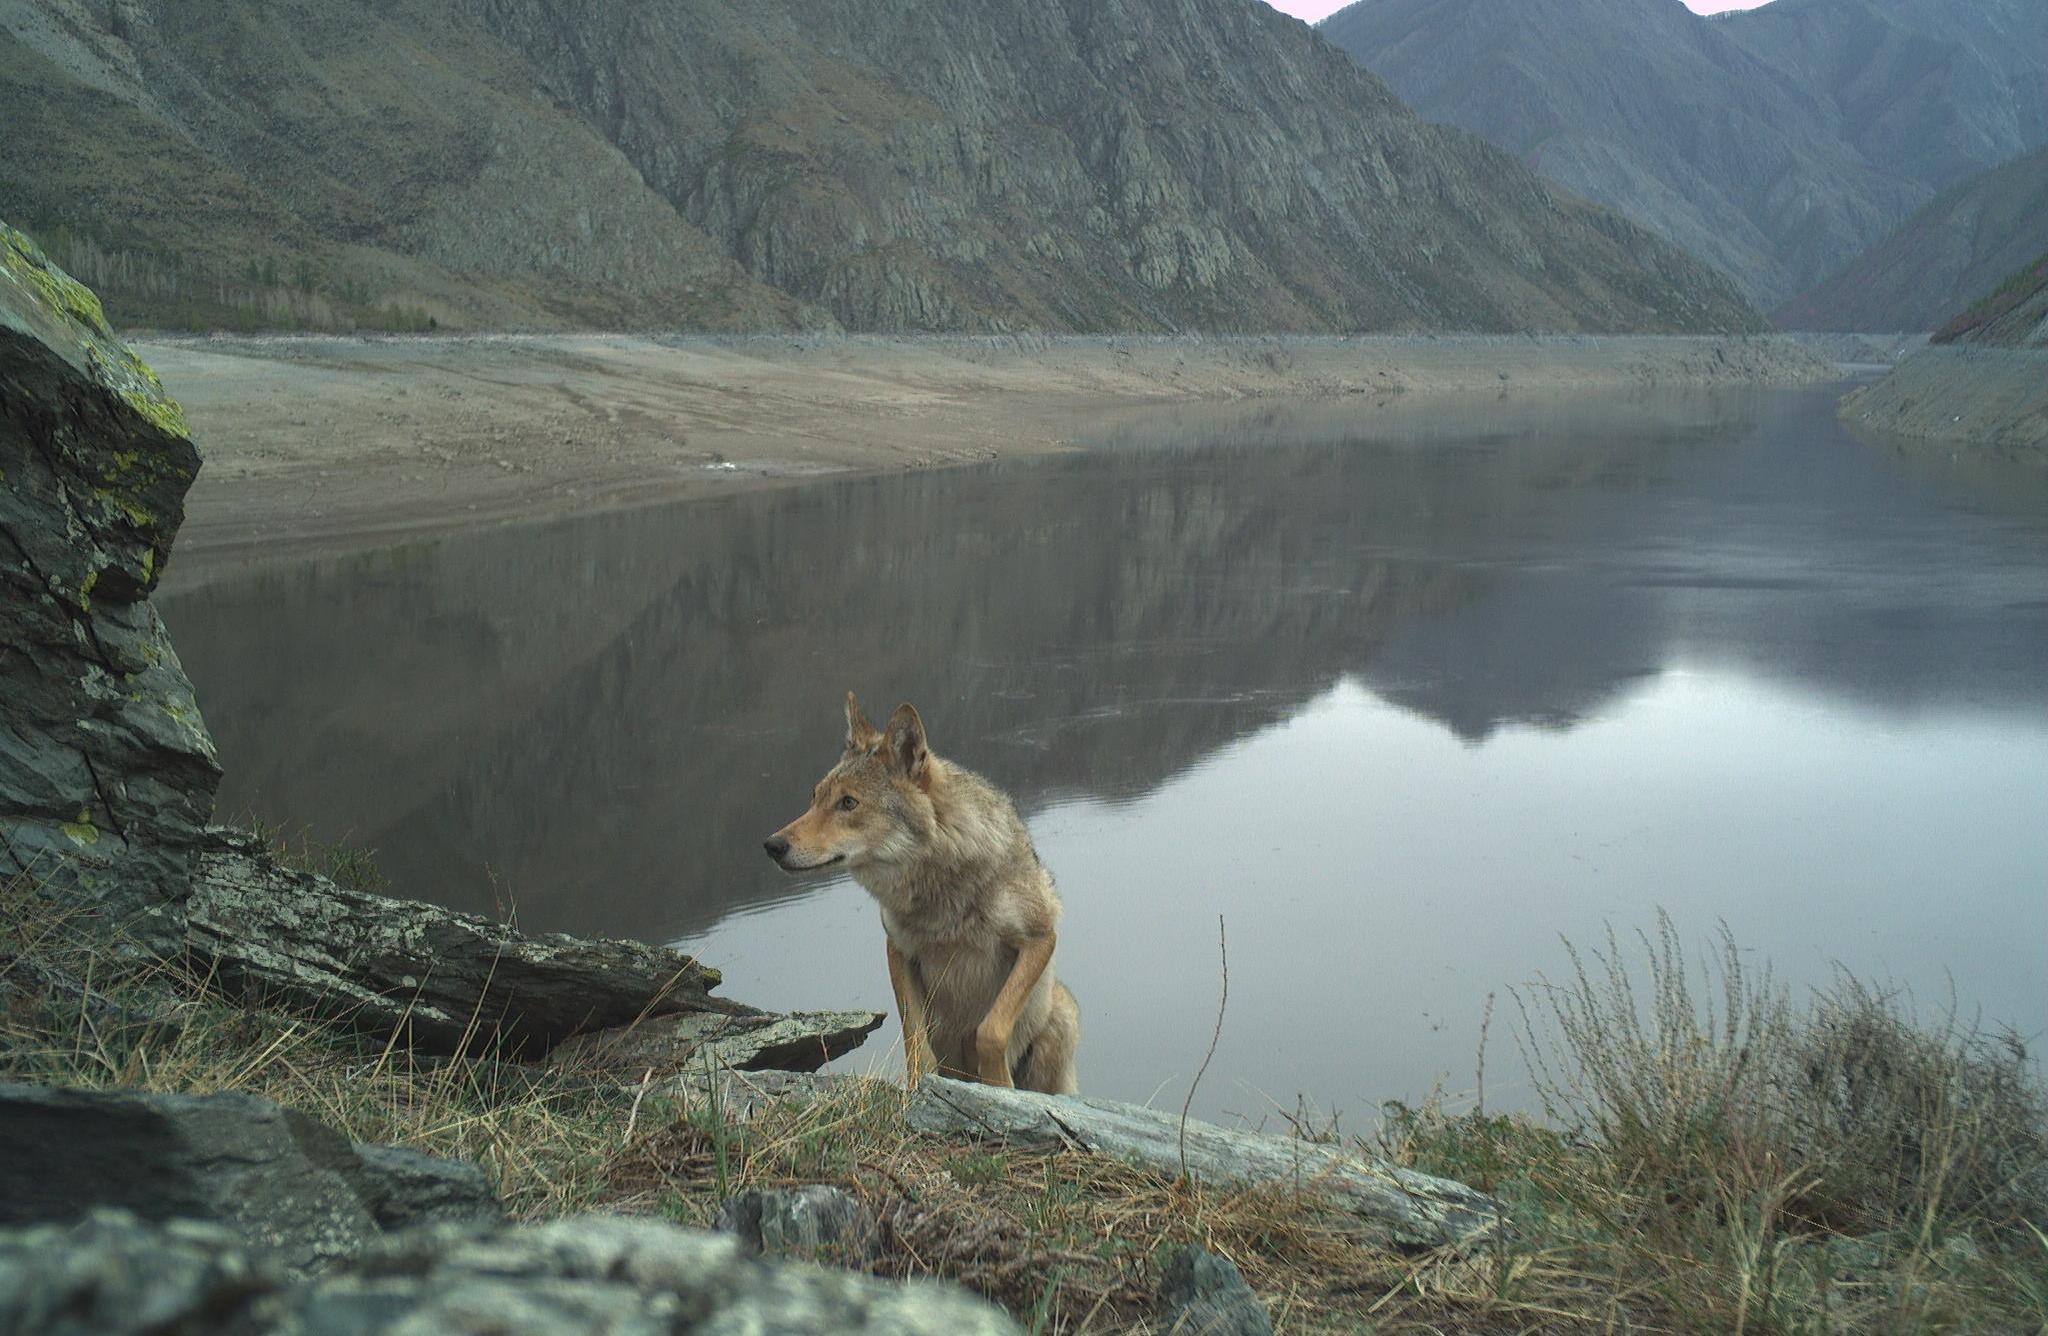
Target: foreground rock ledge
{"x": 585, "y": 1276}
{"x": 451, "y": 982}
{"x": 285, "y": 1185}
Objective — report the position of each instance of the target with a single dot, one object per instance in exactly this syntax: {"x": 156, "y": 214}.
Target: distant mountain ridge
{"x": 899, "y": 165}
{"x": 1960, "y": 245}
{"x": 1776, "y": 143}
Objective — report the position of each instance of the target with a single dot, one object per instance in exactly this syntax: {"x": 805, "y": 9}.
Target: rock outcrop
{"x": 447, "y": 981}
{"x": 107, "y": 775}
{"x": 289, "y": 1187}
{"x": 914, "y": 165}
{"x": 112, "y": 1275}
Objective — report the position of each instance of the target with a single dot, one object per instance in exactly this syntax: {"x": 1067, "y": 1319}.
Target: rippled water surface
{"x": 1403, "y": 695}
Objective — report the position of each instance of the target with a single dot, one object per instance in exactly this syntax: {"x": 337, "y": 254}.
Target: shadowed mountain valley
{"x": 1776, "y": 143}
{"x": 1958, "y": 247}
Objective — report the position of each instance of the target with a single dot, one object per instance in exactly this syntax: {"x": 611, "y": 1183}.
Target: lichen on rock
{"x": 107, "y": 774}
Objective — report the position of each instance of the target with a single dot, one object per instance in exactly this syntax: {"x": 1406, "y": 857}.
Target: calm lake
{"x": 1405, "y": 695}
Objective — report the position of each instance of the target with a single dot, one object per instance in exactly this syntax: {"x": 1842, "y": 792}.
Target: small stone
{"x": 814, "y": 1223}
{"x": 1201, "y": 1294}
{"x": 404, "y": 1187}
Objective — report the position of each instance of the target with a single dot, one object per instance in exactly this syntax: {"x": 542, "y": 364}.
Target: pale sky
{"x": 1313, "y": 10}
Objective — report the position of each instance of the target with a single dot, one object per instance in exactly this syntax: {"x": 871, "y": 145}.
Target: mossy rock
{"x": 107, "y": 774}
{"x": 36, "y": 297}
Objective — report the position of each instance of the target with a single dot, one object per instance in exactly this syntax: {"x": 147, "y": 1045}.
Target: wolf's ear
{"x": 905, "y": 742}
{"x": 860, "y": 733}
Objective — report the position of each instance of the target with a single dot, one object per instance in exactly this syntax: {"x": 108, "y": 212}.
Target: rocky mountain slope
{"x": 1982, "y": 381}
{"x": 1775, "y": 143}
{"x": 1966, "y": 241}
{"x": 872, "y": 164}
{"x": 2014, "y": 315}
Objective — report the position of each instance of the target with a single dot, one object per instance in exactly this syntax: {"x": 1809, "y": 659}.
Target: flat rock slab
{"x": 797, "y": 1041}
{"x": 1411, "y": 1209}
{"x": 112, "y": 1275}
{"x": 446, "y": 981}
{"x": 289, "y": 1187}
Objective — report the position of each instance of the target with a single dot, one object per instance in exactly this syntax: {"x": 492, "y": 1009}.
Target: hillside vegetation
{"x": 900, "y": 165}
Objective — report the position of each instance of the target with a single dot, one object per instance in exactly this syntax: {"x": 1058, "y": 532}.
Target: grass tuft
{"x": 1712, "y": 1157}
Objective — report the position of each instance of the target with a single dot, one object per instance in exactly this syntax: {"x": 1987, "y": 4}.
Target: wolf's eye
{"x": 848, "y": 803}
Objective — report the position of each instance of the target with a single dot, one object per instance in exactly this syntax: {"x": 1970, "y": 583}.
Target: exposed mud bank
{"x": 1971, "y": 396}
{"x": 334, "y": 444}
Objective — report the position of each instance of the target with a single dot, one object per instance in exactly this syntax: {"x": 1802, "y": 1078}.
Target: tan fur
{"x": 970, "y": 913}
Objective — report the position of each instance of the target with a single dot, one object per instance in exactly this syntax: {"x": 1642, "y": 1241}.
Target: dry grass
{"x": 1715, "y": 1158}
{"x": 72, "y": 1015}
{"x": 1712, "y": 1159}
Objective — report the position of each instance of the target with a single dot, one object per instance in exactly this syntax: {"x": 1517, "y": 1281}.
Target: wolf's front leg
{"x": 917, "y": 1045}
{"x": 992, "y": 1036}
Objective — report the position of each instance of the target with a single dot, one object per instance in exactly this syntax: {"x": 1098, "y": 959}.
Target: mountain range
{"x": 1776, "y": 143}
{"x": 1960, "y": 245}
{"x": 895, "y": 165}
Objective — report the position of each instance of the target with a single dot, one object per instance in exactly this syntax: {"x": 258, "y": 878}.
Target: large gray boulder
{"x": 112, "y": 1275}
{"x": 107, "y": 775}
{"x": 289, "y": 1187}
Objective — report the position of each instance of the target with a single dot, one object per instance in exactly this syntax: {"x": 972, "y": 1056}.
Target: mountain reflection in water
{"x": 1209, "y": 658}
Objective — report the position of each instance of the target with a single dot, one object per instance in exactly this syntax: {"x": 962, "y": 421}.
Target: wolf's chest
{"x": 960, "y": 981}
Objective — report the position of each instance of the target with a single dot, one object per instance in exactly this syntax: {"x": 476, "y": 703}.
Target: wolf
{"x": 969, "y": 912}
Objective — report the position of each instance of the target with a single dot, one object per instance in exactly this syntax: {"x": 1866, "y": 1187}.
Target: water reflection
{"x": 595, "y": 722}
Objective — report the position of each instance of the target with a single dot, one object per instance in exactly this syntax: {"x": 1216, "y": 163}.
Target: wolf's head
{"x": 874, "y": 807}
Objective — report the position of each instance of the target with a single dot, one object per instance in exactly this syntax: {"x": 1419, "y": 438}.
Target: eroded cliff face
{"x": 106, "y": 772}
{"x": 1088, "y": 165}
{"x": 896, "y": 165}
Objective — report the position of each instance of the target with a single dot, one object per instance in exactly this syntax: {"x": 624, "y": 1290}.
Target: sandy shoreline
{"x": 329, "y": 444}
